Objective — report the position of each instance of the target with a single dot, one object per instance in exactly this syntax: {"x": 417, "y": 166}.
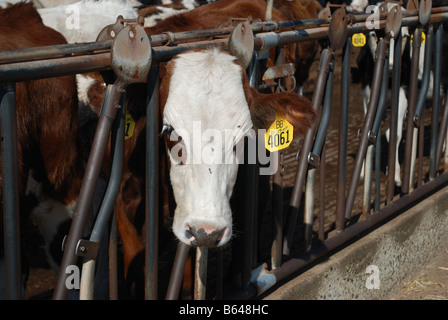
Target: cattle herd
{"x": 206, "y": 90}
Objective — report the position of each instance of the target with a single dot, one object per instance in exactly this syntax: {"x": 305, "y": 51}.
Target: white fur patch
{"x": 206, "y": 96}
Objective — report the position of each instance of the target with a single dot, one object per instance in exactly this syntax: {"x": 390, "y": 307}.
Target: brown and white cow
{"x": 205, "y": 90}
{"x": 47, "y": 124}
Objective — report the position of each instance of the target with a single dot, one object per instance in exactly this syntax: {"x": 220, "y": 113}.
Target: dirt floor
{"x": 431, "y": 283}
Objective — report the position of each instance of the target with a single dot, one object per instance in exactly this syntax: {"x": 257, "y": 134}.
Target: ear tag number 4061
{"x": 279, "y": 135}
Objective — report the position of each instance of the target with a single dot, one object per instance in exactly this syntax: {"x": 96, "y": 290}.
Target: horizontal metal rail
{"x": 82, "y": 58}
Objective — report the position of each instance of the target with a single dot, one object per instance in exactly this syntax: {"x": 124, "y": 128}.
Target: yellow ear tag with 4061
{"x": 279, "y": 135}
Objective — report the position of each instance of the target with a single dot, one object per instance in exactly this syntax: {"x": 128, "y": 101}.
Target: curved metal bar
{"x": 108, "y": 204}
{"x": 326, "y": 58}
{"x": 360, "y": 155}
{"x": 93, "y": 167}
{"x": 317, "y": 152}
{"x": 434, "y": 155}
{"x": 410, "y": 146}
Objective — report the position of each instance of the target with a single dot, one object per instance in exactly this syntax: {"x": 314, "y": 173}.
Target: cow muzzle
{"x": 204, "y": 236}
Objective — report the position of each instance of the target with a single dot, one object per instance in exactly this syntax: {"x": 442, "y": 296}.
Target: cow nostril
{"x": 190, "y": 236}
{"x": 203, "y": 239}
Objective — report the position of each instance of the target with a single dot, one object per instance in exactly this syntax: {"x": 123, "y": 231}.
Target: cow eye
{"x": 175, "y": 145}
{"x": 167, "y": 129}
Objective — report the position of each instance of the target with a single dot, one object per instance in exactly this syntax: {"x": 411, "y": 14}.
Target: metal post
{"x": 374, "y": 135}
{"x": 316, "y": 154}
{"x": 200, "y": 273}
{"x": 178, "y": 271}
{"x": 108, "y": 204}
{"x": 376, "y": 84}
{"x": 93, "y": 167}
{"x": 152, "y": 184}
{"x": 433, "y": 162}
{"x": 11, "y": 213}
{"x": 410, "y": 147}
{"x": 396, "y": 78}
{"x": 343, "y": 125}
{"x": 326, "y": 58}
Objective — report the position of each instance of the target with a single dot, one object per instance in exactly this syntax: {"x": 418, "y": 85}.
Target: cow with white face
{"x": 208, "y": 107}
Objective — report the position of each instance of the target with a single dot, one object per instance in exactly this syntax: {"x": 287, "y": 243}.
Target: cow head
{"x": 208, "y": 107}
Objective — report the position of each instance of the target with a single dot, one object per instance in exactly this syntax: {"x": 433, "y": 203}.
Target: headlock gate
{"x": 301, "y": 227}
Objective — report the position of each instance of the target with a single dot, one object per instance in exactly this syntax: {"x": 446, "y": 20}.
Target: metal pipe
{"x": 39, "y": 69}
{"x": 408, "y": 177}
{"x": 113, "y": 268}
{"x": 177, "y": 272}
{"x": 316, "y": 152}
{"x": 10, "y": 190}
{"x": 200, "y": 273}
{"x": 343, "y": 128}
{"x": 108, "y": 203}
{"x": 36, "y": 69}
{"x": 277, "y": 191}
{"x": 396, "y": 79}
{"x": 326, "y": 58}
{"x": 35, "y": 53}
{"x": 433, "y": 161}
{"x": 277, "y": 209}
{"x": 373, "y": 101}
{"x": 152, "y": 185}
{"x": 93, "y": 167}
{"x": 377, "y": 174}
{"x": 269, "y": 6}
{"x": 373, "y": 137}
{"x": 442, "y": 132}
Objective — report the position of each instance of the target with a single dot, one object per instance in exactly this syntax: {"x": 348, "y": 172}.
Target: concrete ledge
{"x": 397, "y": 250}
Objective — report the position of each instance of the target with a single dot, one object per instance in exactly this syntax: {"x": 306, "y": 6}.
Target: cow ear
{"x": 296, "y": 109}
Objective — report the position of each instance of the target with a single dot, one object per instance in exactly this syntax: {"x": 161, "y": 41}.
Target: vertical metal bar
{"x": 113, "y": 268}
{"x": 376, "y": 84}
{"x": 251, "y": 173}
{"x": 317, "y": 152}
{"x": 375, "y": 135}
{"x": 277, "y": 209}
{"x": 409, "y": 147}
{"x": 442, "y": 132}
{"x": 377, "y": 174}
{"x": 11, "y": 213}
{"x": 200, "y": 273}
{"x": 326, "y": 58}
{"x": 269, "y": 6}
{"x": 152, "y": 183}
{"x": 421, "y": 141}
{"x": 277, "y": 192}
{"x": 433, "y": 162}
{"x": 178, "y": 271}
{"x": 93, "y": 167}
{"x": 396, "y": 79}
{"x": 321, "y": 231}
{"x": 343, "y": 128}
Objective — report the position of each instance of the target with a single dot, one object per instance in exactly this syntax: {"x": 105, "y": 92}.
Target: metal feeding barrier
{"x": 124, "y": 47}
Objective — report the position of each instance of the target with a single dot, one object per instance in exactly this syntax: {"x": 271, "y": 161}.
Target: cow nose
{"x": 204, "y": 237}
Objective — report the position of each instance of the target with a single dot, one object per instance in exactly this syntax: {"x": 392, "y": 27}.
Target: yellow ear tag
{"x": 359, "y": 40}
{"x": 423, "y": 38}
{"x": 279, "y": 135}
{"x": 130, "y": 126}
